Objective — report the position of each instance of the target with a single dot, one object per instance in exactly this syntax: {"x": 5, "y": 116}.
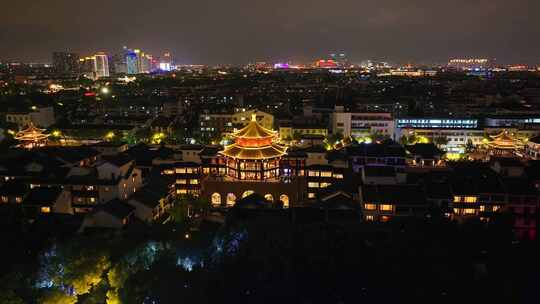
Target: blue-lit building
{"x": 437, "y": 123}
{"x": 132, "y": 62}
{"x": 519, "y": 121}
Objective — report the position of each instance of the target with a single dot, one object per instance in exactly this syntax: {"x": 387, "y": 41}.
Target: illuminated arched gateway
{"x": 254, "y": 155}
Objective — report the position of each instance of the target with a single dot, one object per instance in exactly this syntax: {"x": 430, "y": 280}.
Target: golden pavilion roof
{"x": 254, "y": 130}
{"x": 504, "y": 141}
{"x": 266, "y": 152}
{"x": 254, "y": 142}
{"x": 31, "y": 133}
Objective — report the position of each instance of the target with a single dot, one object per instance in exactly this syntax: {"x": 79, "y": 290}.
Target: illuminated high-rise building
{"x": 101, "y": 65}
{"x": 66, "y": 63}
{"x": 87, "y": 66}
{"x": 132, "y": 62}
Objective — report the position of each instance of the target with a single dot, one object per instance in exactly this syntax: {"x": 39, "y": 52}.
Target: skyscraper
{"x": 132, "y": 62}
{"x": 66, "y": 63}
{"x": 101, "y": 65}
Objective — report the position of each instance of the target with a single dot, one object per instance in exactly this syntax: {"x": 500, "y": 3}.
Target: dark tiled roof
{"x": 376, "y": 150}
{"x": 118, "y": 160}
{"x": 253, "y": 201}
{"x": 69, "y": 154}
{"x": 427, "y": 151}
{"x": 42, "y": 196}
{"x": 394, "y": 194}
{"x": 116, "y": 208}
{"x": 14, "y": 188}
{"x": 380, "y": 171}
{"x": 474, "y": 178}
{"x": 157, "y": 189}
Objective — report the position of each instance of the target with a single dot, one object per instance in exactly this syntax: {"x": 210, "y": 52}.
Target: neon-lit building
{"x": 469, "y": 63}
{"x": 101, "y": 65}
{"x": 132, "y": 62}
{"x": 326, "y": 64}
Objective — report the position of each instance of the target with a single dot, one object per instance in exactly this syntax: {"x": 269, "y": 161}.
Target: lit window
{"x": 326, "y": 173}
{"x": 385, "y": 218}
{"x": 370, "y": 206}
{"x": 324, "y": 185}
{"x": 469, "y": 211}
{"x": 90, "y": 188}
{"x": 45, "y": 209}
{"x": 18, "y": 199}
{"x": 311, "y": 195}
{"x": 194, "y": 182}
{"x": 4, "y": 199}
{"x": 180, "y": 170}
{"x": 181, "y": 191}
{"x": 92, "y": 200}
{"x": 369, "y": 218}
{"x": 340, "y": 176}
{"x": 313, "y": 173}
{"x": 482, "y": 208}
{"x": 470, "y": 199}
{"x": 496, "y": 208}
{"x": 181, "y": 181}
{"x": 386, "y": 207}
{"x": 457, "y": 199}
{"x": 189, "y": 170}
{"x": 313, "y": 185}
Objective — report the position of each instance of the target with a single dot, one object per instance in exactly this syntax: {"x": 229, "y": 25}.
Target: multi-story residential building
{"x": 387, "y": 154}
{"x": 66, "y": 63}
{"x": 115, "y": 177}
{"x": 532, "y": 148}
{"x": 296, "y": 129}
{"x": 453, "y": 138}
{"x": 358, "y": 125}
{"x": 477, "y": 191}
{"x": 219, "y": 123}
{"x": 383, "y": 203}
{"x": 39, "y": 116}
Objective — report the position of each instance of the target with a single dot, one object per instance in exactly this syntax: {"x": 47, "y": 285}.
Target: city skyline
{"x": 419, "y": 31}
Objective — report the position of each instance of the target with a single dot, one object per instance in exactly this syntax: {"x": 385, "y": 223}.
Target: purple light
{"x": 281, "y": 66}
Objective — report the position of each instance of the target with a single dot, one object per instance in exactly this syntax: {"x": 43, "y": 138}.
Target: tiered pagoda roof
{"x": 31, "y": 135}
{"x": 504, "y": 141}
{"x": 254, "y": 142}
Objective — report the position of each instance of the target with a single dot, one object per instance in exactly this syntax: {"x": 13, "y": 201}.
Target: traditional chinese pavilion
{"x": 32, "y": 137}
{"x": 252, "y": 165}
{"x": 255, "y": 154}
{"x": 504, "y": 143}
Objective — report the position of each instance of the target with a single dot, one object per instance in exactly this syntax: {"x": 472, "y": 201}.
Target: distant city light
{"x": 165, "y": 66}
{"x": 281, "y": 66}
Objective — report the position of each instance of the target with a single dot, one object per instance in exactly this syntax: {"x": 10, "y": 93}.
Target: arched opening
{"x": 247, "y": 193}
{"x": 285, "y": 200}
{"x": 231, "y": 199}
{"x": 269, "y": 198}
{"x": 216, "y": 199}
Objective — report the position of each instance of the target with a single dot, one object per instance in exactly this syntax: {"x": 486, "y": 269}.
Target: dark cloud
{"x": 237, "y": 31}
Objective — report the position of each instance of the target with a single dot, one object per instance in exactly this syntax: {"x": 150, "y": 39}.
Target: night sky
{"x": 239, "y": 31}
